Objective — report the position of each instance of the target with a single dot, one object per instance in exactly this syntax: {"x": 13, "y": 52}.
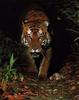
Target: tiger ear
{"x": 46, "y": 23}
{"x": 22, "y": 23}
{"x": 25, "y": 21}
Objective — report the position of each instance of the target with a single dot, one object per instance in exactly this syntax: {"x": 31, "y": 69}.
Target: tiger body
{"x": 36, "y": 37}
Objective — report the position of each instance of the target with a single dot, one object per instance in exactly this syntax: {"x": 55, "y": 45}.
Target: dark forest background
{"x": 66, "y": 10}
{"x": 64, "y": 20}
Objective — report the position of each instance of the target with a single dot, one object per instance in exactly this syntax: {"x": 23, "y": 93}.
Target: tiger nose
{"x": 35, "y": 51}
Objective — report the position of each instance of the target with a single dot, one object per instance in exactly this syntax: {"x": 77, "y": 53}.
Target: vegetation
{"x": 63, "y": 86}
{"x": 9, "y": 72}
{"x": 9, "y": 51}
{"x": 68, "y": 10}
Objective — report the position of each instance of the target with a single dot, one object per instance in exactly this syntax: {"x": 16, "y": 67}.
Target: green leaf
{"x": 12, "y": 60}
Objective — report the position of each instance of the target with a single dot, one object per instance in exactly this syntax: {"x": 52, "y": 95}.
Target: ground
{"x": 57, "y": 87}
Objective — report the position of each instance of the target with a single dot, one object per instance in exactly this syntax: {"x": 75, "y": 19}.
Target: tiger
{"x": 36, "y": 38}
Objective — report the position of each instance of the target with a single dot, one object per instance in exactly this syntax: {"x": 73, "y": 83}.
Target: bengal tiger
{"x": 36, "y": 38}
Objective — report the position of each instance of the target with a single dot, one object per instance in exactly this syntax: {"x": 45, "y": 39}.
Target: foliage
{"x": 9, "y": 50}
{"x": 7, "y": 47}
{"x": 68, "y": 14}
{"x": 9, "y": 72}
{"x": 6, "y": 50}
{"x": 68, "y": 10}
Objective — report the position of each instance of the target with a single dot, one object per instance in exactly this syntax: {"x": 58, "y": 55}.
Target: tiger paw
{"x": 42, "y": 76}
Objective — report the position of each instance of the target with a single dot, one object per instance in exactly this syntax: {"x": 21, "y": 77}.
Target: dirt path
{"x": 33, "y": 89}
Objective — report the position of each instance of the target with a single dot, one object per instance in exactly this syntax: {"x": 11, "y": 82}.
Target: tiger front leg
{"x": 31, "y": 65}
{"x": 43, "y": 69}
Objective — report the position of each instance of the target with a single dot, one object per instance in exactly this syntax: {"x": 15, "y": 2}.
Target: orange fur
{"x": 34, "y": 35}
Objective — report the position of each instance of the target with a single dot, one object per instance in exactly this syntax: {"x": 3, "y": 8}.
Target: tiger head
{"x": 35, "y": 35}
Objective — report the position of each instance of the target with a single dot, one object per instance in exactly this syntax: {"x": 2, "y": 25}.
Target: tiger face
{"x": 34, "y": 33}
{"x": 36, "y": 37}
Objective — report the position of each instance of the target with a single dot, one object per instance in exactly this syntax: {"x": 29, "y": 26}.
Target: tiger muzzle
{"x": 35, "y": 53}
